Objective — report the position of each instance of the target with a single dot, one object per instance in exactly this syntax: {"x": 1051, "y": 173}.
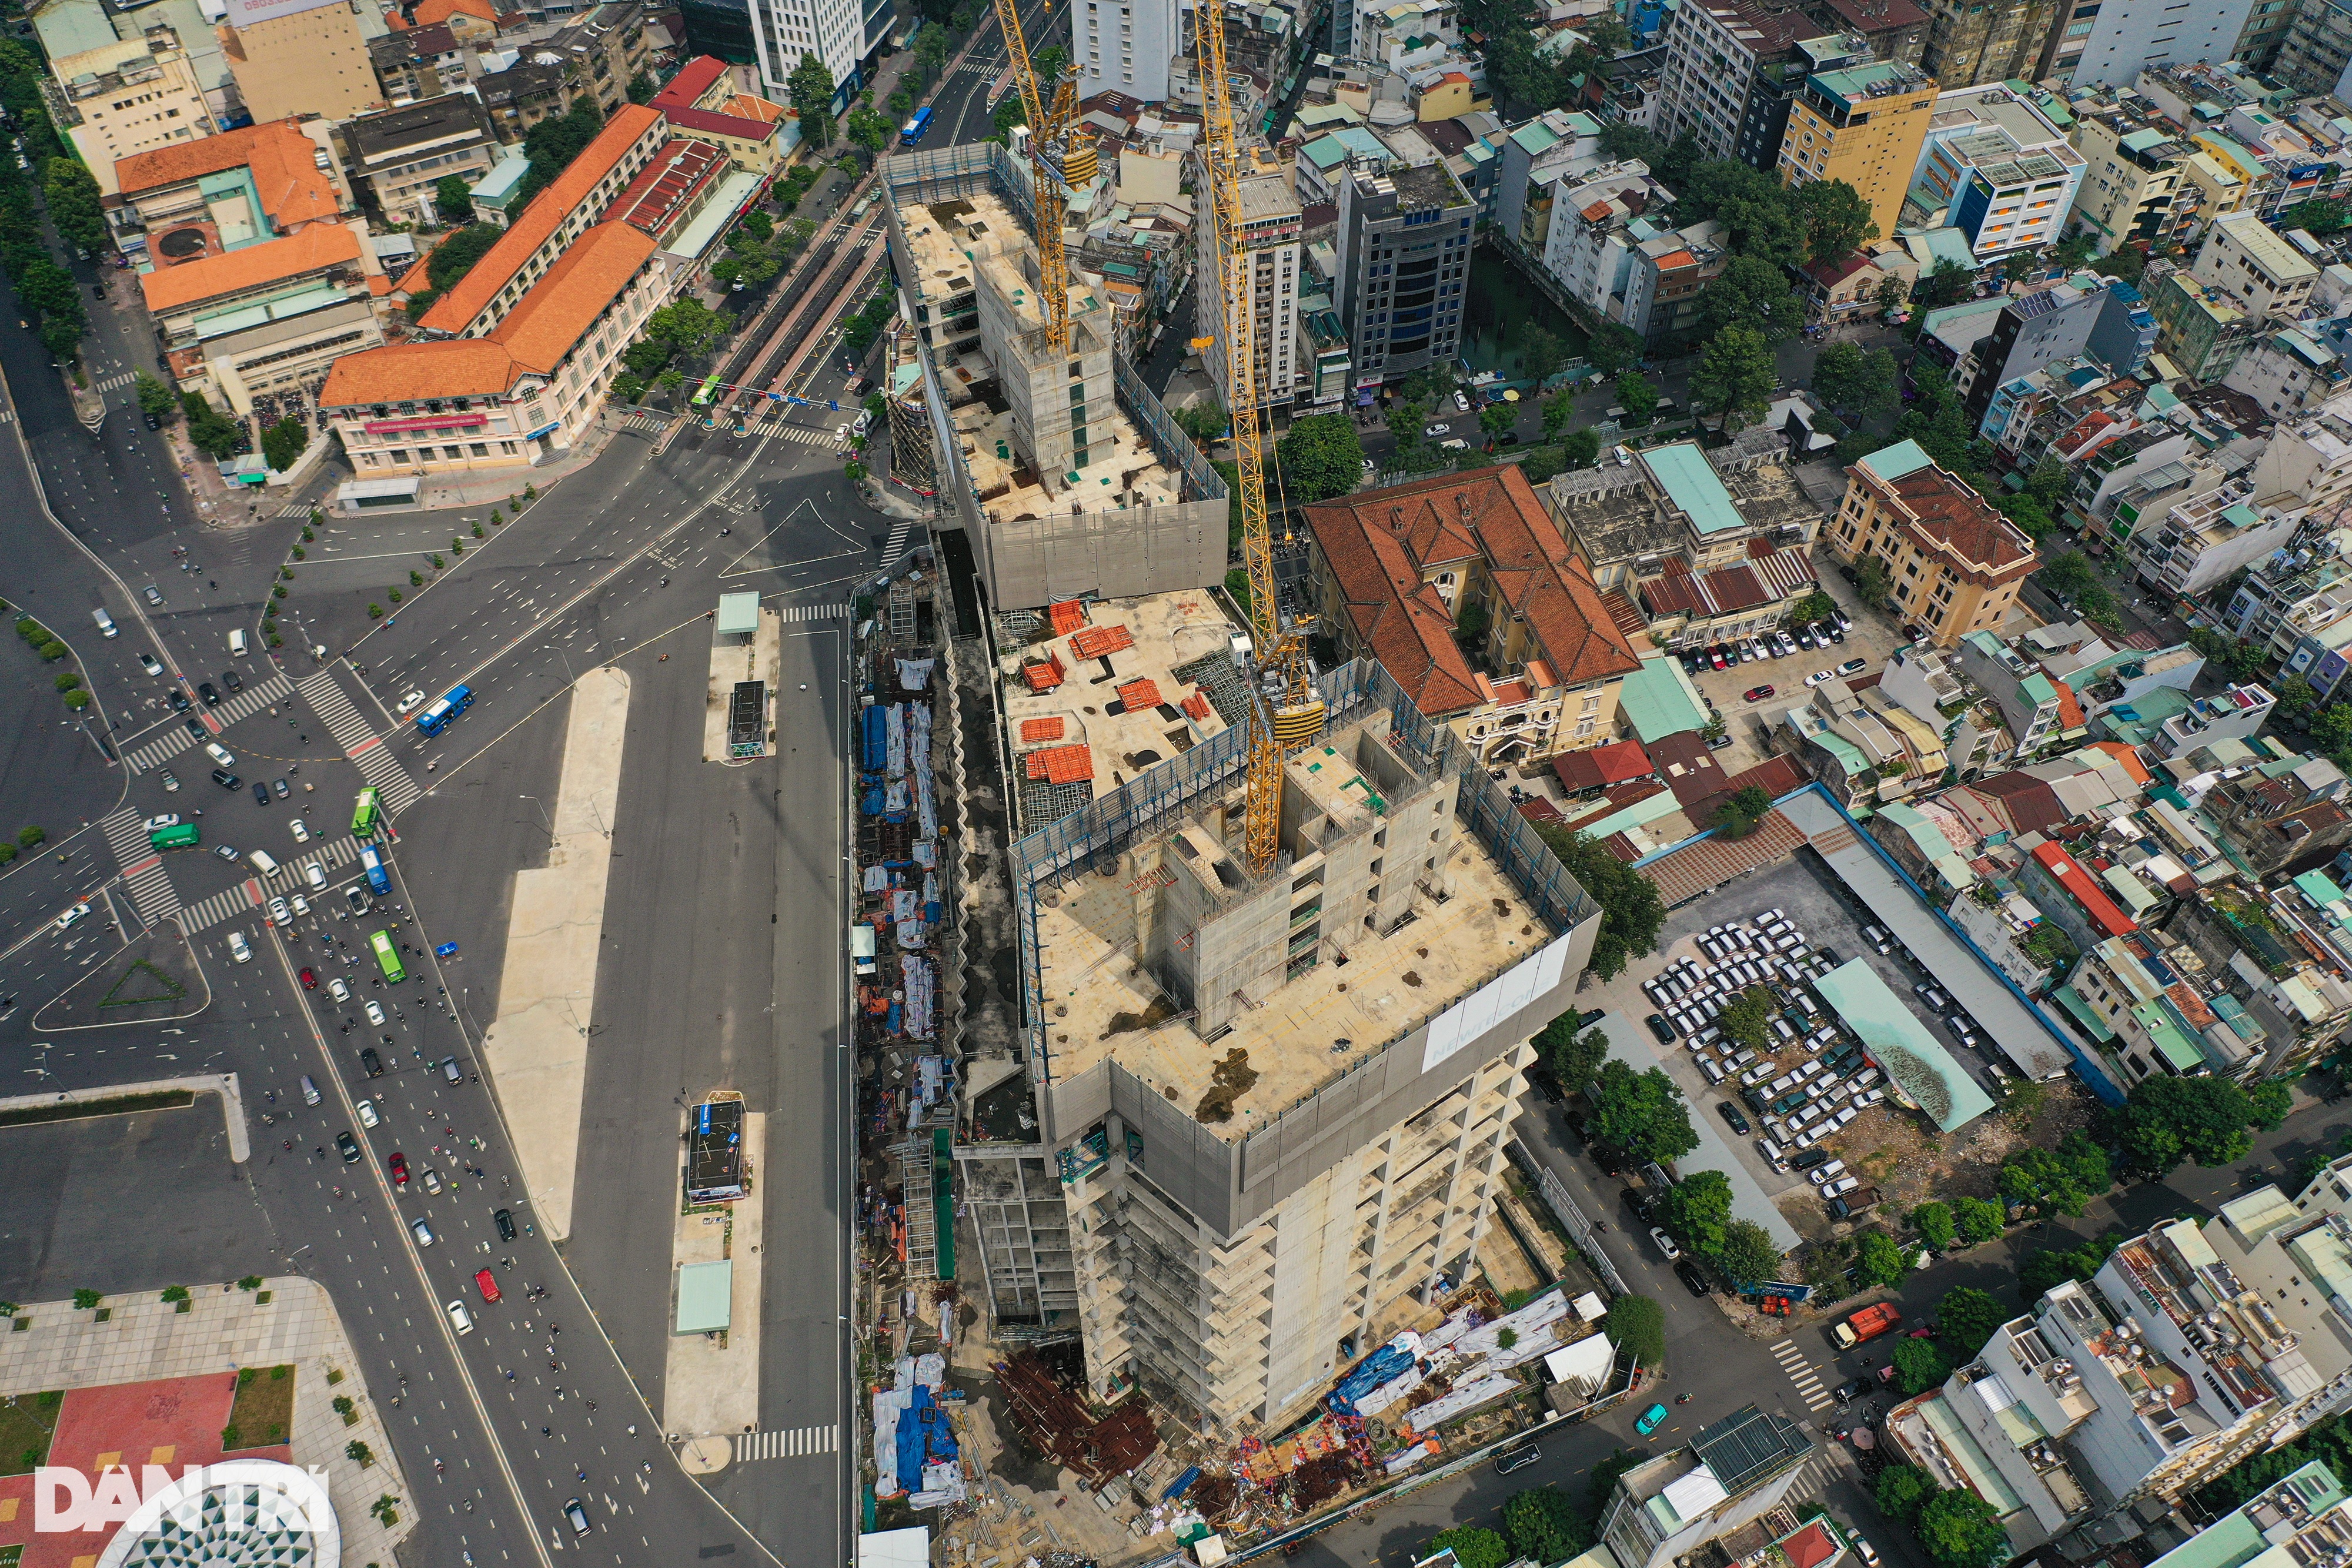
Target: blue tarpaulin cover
{"x": 1375, "y": 1369}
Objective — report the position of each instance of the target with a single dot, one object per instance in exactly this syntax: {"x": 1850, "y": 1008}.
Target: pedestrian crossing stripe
{"x": 253, "y": 700}
{"x": 360, "y": 742}
{"x": 245, "y": 898}
{"x": 123, "y": 380}
{"x": 813, "y": 612}
{"x": 794, "y": 1443}
{"x": 143, "y": 877}
{"x": 156, "y": 753}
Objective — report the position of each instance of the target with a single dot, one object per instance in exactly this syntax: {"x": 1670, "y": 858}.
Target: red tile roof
{"x": 1810, "y": 1547}
{"x": 2070, "y": 707}
{"x": 286, "y": 174}
{"x": 2029, "y": 803}
{"x": 710, "y": 122}
{"x": 2096, "y": 904}
{"x": 1067, "y": 616}
{"x": 666, "y": 186}
{"x": 1598, "y": 766}
{"x": 1945, "y": 509}
{"x": 2128, "y": 756}
{"x": 694, "y": 79}
{"x": 1379, "y": 543}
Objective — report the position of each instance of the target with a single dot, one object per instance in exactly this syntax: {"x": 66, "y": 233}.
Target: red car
{"x": 399, "y": 1169}
{"x": 310, "y": 982}
{"x": 1757, "y": 694}
{"x": 484, "y": 1282}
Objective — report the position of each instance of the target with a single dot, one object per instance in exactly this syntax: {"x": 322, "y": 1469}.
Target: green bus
{"x": 363, "y": 815}
{"x": 182, "y": 837}
{"x": 710, "y": 387}
{"x": 388, "y": 956}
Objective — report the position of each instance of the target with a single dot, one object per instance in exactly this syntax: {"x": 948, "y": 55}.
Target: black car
{"x": 260, "y": 794}
{"x": 226, "y": 781}
{"x": 1659, "y": 1026}
{"x": 371, "y": 1062}
{"x": 1594, "y": 1016}
{"x": 1852, "y": 1388}
{"x": 1848, "y": 574}
{"x": 1730, "y": 1113}
{"x": 1547, "y": 1083}
{"x": 179, "y": 700}
{"x": 197, "y": 728}
{"x": 350, "y": 1145}
{"x": 152, "y": 423}
{"x": 204, "y": 690}
{"x": 232, "y": 680}
{"x": 1693, "y": 1280}
{"x": 504, "y": 1219}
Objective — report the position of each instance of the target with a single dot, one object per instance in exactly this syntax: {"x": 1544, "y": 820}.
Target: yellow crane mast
{"x": 1050, "y": 120}
{"x": 1284, "y": 712}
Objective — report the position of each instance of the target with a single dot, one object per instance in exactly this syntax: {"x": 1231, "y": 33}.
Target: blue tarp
{"x": 1181, "y": 1484}
{"x": 1375, "y": 1369}
{"x": 924, "y": 1438}
{"x": 878, "y": 741}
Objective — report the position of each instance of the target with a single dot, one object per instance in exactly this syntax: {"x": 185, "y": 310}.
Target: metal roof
{"x": 1749, "y": 1445}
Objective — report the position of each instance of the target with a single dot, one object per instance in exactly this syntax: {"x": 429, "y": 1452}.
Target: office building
{"x": 1954, "y": 564}
{"x": 1125, "y": 46}
{"x": 1730, "y": 71}
{"x": 1997, "y": 167}
{"x": 2128, "y": 36}
{"x": 1404, "y": 246}
{"x": 303, "y": 56}
{"x": 1862, "y": 125}
{"x": 840, "y": 33}
{"x": 400, "y": 156}
{"x": 128, "y": 97}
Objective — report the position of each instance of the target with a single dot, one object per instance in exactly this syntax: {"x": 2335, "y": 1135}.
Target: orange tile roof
{"x": 471, "y": 294}
{"x": 1094, "y": 642}
{"x": 416, "y": 279}
{"x": 1044, "y": 674}
{"x": 294, "y": 190}
{"x": 1138, "y": 696}
{"x": 429, "y": 12}
{"x": 1041, "y": 728}
{"x": 590, "y": 274}
{"x": 314, "y": 248}
{"x": 1061, "y": 764}
{"x": 412, "y": 373}
{"x": 379, "y": 285}
{"x": 2128, "y": 756}
{"x": 744, "y": 105}
{"x": 2070, "y": 707}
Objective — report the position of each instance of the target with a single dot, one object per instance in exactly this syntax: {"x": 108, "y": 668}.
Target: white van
{"x": 105, "y": 623}
{"x": 237, "y": 950}
{"x": 220, "y": 754}
{"x": 236, "y": 644}
{"x": 262, "y": 862}
{"x": 309, "y": 1091}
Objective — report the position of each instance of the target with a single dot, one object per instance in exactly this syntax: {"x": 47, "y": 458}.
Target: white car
{"x": 339, "y": 989}
{"x": 238, "y": 949}
{"x": 1666, "y": 1244}
{"x": 301, "y": 831}
{"x": 147, "y": 662}
{"x": 278, "y": 913}
{"x": 1817, "y": 677}
{"x": 1841, "y": 1186}
{"x": 432, "y": 1179}
{"x": 220, "y": 754}
{"x": 460, "y": 1318}
{"x": 374, "y": 1010}
{"x": 408, "y": 700}
{"x": 422, "y": 1231}
{"x": 368, "y": 1118}
{"x": 302, "y": 906}
{"x": 1826, "y": 1174}
{"x": 316, "y": 875}
{"x": 157, "y": 824}
{"x": 841, "y": 436}
{"x": 71, "y": 915}
{"x": 1462, "y": 402}
{"x": 1457, "y": 444}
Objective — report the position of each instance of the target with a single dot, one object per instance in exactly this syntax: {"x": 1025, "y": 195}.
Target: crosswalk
{"x": 244, "y": 705}
{"x": 1803, "y": 1374}
{"x": 155, "y": 753}
{"x": 206, "y": 913}
{"x": 253, "y": 893}
{"x": 813, "y": 612}
{"x": 794, "y": 1443}
{"x": 370, "y": 752}
{"x": 143, "y": 877}
{"x": 120, "y": 378}
{"x": 1814, "y": 1475}
{"x": 898, "y": 541}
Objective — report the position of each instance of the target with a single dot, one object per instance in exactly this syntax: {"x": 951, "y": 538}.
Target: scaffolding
{"x": 915, "y": 1174}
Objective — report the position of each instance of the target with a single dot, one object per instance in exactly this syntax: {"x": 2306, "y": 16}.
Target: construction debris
{"x": 1055, "y": 1422}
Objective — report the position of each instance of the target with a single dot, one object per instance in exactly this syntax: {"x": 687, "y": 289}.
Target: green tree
{"x": 2063, "y": 1179}
{"x": 1978, "y": 1221}
{"x": 1635, "y": 395}
{"x": 1619, "y": 141}
{"x": 213, "y": 435}
{"x": 1614, "y": 348}
{"x": 1856, "y": 380}
{"x": 1541, "y": 354}
{"x": 1010, "y": 111}
{"x": 1903, "y": 1491}
{"x": 75, "y": 204}
{"x": 1752, "y": 293}
{"x": 1878, "y": 1261}
{"x": 1920, "y": 1365}
{"x": 454, "y": 199}
{"x": 687, "y": 326}
{"x": 1473, "y": 1546}
{"x": 1960, "y": 1529}
{"x": 555, "y": 141}
{"x": 2051, "y": 482}
{"x": 1581, "y": 448}
{"x": 1734, "y": 376}
{"x": 2049, "y": 1267}
{"x": 454, "y": 256}
{"x": 642, "y": 88}
{"x": 155, "y": 397}
{"x": 1204, "y": 422}
{"x": 1631, "y": 912}
{"x": 1934, "y": 1222}
{"x": 1760, "y": 221}
{"x": 2297, "y": 698}
{"x": 1640, "y": 1114}
{"x": 1743, "y": 813}
{"x": 1747, "y": 1019}
{"x": 870, "y": 130}
{"x": 810, "y": 87}
{"x": 1495, "y": 419}
{"x": 2169, "y": 1119}
{"x": 2030, "y": 517}
{"x": 1637, "y": 1325}
{"x": 2320, "y": 216}
{"x": 1965, "y": 1318}
{"x": 2072, "y": 252}
{"x": 1948, "y": 284}
{"x": 1748, "y": 1256}
{"x": 1574, "y": 1059}
{"x": 1318, "y": 457}
{"x": 1558, "y": 412}
{"x": 282, "y": 443}
{"x": 1837, "y": 221}
{"x": 931, "y": 54}
{"x": 1696, "y": 1210}
{"x": 1544, "y": 1526}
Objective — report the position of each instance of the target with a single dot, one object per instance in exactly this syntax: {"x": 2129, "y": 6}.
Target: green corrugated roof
{"x": 1908, "y": 1053}
{"x": 1891, "y": 463}
{"x": 2038, "y": 688}
{"x": 706, "y": 1297}
{"x": 2083, "y": 1014}
{"x": 2176, "y": 1047}
{"x": 1692, "y": 484}
{"x": 2133, "y": 893}
{"x": 1658, "y": 700}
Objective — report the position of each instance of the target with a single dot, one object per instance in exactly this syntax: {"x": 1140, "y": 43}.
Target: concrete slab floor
{"x": 710, "y": 1389}
{"x": 537, "y": 1047}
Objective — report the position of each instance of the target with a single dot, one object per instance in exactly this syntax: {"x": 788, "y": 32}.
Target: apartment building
{"x": 2199, "y": 328}
{"x": 2310, "y": 457}
{"x": 1865, "y": 747}
{"x": 1124, "y": 47}
{"x": 1405, "y": 244}
{"x": 2303, "y": 589}
{"x": 1717, "y": 1491}
{"x": 303, "y": 56}
{"x": 417, "y": 62}
{"x": 2229, "y": 714}
{"x": 839, "y": 33}
{"x": 1400, "y": 571}
{"x": 1670, "y": 271}
{"x": 1730, "y": 72}
{"x": 506, "y": 398}
{"x": 1954, "y": 564}
{"x": 2261, "y": 273}
{"x": 1862, "y": 125}
{"x": 1270, "y": 264}
{"x": 2316, "y": 47}
{"x": 1996, "y": 166}
{"x": 2128, "y": 36}
{"x": 126, "y": 98}
{"x": 1590, "y": 234}
{"x": 2147, "y": 999}
{"x": 543, "y": 231}
{"x": 399, "y": 156}
{"x": 2289, "y": 371}
{"x": 2101, "y": 318}
{"x": 2202, "y": 540}
{"x": 2132, "y": 187}
{"x": 1982, "y": 45}
{"x": 2285, "y": 952}
{"x": 1534, "y": 158}
{"x": 2041, "y": 712}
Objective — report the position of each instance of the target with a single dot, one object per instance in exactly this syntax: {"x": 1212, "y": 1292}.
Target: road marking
{"x": 1802, "y": 1375}
{"x": 813, "y": 611}
{"x": 151, "y": 890}
{"x": 792, "y": 1443}
{"x": 242, "y": 899}
{"x": 360, "y": 742}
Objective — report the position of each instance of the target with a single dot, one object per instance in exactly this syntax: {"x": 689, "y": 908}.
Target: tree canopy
{"x": 2063, "y": 1179}
{"x": 1960, "y": 1529}
{"x": 454, "y": 256}
{"x": 1473, "y": 1545}
{"x": 1901, "y": 1490}
{"x": 1318, "y": 457}
{"x": 1544, "y": 1526}
{"x": 1753, "y": 293}
{"x": 1734, "y": 376}
{"x": 2168, "y": 1119}
{"x": 1637, "y": 1325}
{"x": 1878, "y": 1261}
{"x": 1630, "y": 910}
{"x": 453, "y": 199}
{"x": 1574, "y": 1059}
{"x": 554, "y": 142}
{"x": 1857, "y": 380}
{"x": 1920, "y": 1365}
{"x": 1965, "y": 1318}
{"x": 1639, "y": 1114}
{"x": 1698, "y": 1208}
{"x": 1748, "y": 1255}
{"x": 810, "y": 87}
{"x": 75, "y": 207}
{"x": 1837, "y": 221}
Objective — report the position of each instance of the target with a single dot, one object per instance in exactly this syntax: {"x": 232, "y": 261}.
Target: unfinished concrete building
{"x": 1067, "y": 476}
{"x": 1262, "y": 1114}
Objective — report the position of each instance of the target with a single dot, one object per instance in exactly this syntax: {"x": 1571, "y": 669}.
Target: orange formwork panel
{"x": 1094, "y": 642}
{"x": 1061, "y": 764}
{"x": 1067, "y": 617}
{"x": 1140, "y": 696}
{"x": 1035, "y": 729}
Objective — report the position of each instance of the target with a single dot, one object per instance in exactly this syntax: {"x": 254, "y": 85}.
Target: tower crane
{"x": 1285, "y": 711}
{"x": 1057, "y": 168}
